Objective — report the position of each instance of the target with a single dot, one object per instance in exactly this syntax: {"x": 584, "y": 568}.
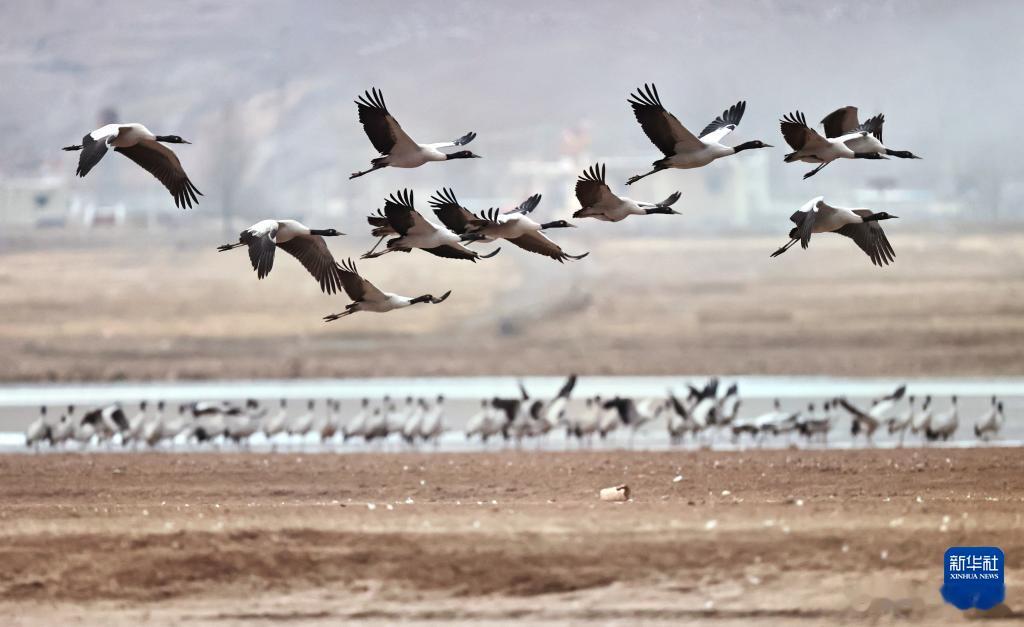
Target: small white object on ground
{"x": 616, "y": 493}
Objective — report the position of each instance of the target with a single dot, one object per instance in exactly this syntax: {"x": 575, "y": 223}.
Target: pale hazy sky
{"x": 945, "y": 73}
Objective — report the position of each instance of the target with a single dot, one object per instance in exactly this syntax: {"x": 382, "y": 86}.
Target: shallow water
{"x": 19, "y": 403}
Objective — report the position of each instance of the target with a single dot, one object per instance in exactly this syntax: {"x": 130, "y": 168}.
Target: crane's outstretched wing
{"x": 593, "y": 191}
{"x": 314, "y": 255}
{"x": 663, "y": 129}
{"x": 381, "y": 127}
{"x": 161, "y": 162}
{"x": 725, "y": 123}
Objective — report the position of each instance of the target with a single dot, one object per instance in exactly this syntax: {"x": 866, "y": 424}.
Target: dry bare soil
{"x": 789, "y": 537}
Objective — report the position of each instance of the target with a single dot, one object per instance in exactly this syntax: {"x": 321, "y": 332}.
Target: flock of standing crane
{"x": 704, "y": 414}
{"x": 404, "y": 228}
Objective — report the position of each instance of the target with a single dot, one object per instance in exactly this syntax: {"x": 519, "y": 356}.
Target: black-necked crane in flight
{"x": 139, "y": 144}
{"x": 367, "y": 297}
{"x": 600, "y": 203}
{"x": 681, "y": 148}
{"x": 519, "y": 228}
{"x": 397, "y": 149}
{"x": 860, "y": 225}
{"x": 810, "y": 147}
{"x": 457, "y": 218}
{"x": 843, "y": 121}
{"x": 298, "y": 240}
{"x": 415, "y": 231}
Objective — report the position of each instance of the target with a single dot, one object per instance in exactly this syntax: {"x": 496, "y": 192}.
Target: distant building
{"x": 34, "y": 202}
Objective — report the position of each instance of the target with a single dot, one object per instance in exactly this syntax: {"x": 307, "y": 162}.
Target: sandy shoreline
{"x": 799, "y": 537}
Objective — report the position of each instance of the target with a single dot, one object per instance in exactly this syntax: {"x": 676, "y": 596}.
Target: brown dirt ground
{"x": 159, "y": 309}
{"x": 789, "y": 537}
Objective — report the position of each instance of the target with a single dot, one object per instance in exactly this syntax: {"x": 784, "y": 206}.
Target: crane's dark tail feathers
{"x": 76, "y": 147}
{"x": 225, "y": 247}
{"x": 491, "y": 254}
{"x": 671, "y": 200}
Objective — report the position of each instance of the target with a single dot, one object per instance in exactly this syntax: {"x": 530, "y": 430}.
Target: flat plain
{"x": 785, "y": 537}
{"x": 141, "y": 306}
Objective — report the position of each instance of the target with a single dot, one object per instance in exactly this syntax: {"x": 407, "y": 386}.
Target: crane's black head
{"x": 463, "y": 154}
{"x": 171, "y": 139}
{"x": 881, "y": 215}
{"x": 902, "y": 154}
{"x": 326, "y": 232}
{"x": 662, "y": 209}
{"x": 558, "y": 224}
{"x": 752, "y": 144}
{"x": 429, "y": 298}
